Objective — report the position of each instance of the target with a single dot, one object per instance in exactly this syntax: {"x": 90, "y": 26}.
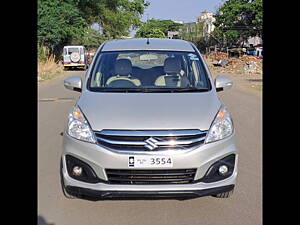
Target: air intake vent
{"x": 178, "y": 176}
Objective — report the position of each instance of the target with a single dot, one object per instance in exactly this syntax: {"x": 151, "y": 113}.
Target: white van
{"x": 75, "y": 56}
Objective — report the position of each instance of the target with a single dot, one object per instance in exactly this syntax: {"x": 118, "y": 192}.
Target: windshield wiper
{"x": 190, "y": 89}
{"x": 126, "y": 90}
{"x": 152, "y": 90}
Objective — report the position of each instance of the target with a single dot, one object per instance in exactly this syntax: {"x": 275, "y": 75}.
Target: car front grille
{"x": 150, "y": 140}
{"x": 175, "y": 176}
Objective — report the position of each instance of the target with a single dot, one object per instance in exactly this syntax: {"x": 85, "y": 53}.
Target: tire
{"x": 66, "y": 68}
{"x": 226, "y": 194}
{"x": 66, "y": 194}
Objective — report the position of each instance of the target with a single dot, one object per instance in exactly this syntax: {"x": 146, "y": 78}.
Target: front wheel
{"x": 225, "y": 194}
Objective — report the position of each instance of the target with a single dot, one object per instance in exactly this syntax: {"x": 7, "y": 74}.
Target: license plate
{"x": 149, "y": 161}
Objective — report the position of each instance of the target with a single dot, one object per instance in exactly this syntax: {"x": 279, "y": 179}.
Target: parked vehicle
{"x": 250, "y": 51}
{"x": 74, "y": 57}
{"x": 148, "y": 123}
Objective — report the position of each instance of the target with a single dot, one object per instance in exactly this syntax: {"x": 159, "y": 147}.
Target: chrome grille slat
{"x": 166, "y": 133}
{"x": 161, "y": 143}
{"x": 148, "y": 140}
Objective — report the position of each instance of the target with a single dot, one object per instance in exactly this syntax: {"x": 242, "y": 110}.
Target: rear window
{"x": 70, "y": 50}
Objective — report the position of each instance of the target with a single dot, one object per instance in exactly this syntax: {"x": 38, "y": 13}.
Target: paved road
{"x": 243, "y": 208}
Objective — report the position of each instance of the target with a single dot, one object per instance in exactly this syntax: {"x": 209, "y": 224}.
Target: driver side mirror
{"x": 223, "y": 83}
{"x": 73, "y": 83}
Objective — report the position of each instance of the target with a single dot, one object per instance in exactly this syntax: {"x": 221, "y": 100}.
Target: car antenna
{"x": 148, "y": 41}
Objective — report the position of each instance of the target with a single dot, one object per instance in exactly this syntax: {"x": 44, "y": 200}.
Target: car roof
{"x": 74, "y": 46}
{"x": 154, "y": 44}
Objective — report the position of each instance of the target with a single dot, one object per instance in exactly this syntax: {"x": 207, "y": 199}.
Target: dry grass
{"x": 49, "y": 69}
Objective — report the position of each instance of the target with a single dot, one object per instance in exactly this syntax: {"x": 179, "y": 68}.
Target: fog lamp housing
{"x": 220, "y": 170}
{"x": 79, "y": 170}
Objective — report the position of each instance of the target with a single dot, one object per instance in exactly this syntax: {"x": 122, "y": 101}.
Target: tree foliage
{"x": 154, "y": 33}
{"x": 116, "y": 17}
{"x": 91, "y": 39}
{"x": 156, "y": 28}
{"x": 63, "y": 22}
{"x": 236, "y": 20}
{"x": 58, "y": 22}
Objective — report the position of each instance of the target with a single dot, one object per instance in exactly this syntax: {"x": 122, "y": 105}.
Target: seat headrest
{"x": 172, "y": 65}
{"x": 123, "y": 67}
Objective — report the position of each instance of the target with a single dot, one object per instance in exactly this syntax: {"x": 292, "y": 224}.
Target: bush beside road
{"x": 49, "y": 69}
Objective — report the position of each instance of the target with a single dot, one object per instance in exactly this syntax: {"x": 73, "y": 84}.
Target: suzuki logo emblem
{"x": 151, "y": 143}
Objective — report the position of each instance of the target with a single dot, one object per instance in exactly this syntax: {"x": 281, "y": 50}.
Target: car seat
{"x": 123, "y": 70}
{"x": 172, "y": 78}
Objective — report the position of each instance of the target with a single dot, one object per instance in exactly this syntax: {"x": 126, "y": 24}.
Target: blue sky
{"x": 184, "y": 10}
{"x": 180, "y": 10}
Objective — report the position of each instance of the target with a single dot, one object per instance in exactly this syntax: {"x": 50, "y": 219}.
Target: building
{"x": 189, "y": 27}
{"x": 253, "y": 41}
{"x": 208, "y": 19}
{"x": 191, "y": 31}
{"x": 173, "y": 34}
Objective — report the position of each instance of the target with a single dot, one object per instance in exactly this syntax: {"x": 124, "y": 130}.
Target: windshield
{"x": 148, "y": 71}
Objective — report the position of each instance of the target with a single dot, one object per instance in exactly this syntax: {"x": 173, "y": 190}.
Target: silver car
{"x": 148, "y": 123}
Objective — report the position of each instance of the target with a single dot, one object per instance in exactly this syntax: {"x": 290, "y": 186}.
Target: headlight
{"x": 78, "y": 126}
{"x": 221, "y": 128}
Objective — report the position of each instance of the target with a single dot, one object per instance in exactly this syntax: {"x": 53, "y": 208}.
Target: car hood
{"x": 146, "y": 111}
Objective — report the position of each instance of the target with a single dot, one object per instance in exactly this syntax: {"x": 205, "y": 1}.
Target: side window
{"x": 96, "y": 81}
{"x": 200, "y": 80}
{"x": 196, "y": 72}
{"x": 65, "y": 51}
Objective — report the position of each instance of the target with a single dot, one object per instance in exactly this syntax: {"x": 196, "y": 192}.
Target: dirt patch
{"x": 245, "y": 71}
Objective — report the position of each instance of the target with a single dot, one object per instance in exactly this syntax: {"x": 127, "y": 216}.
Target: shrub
{"x": 47, "y": 69}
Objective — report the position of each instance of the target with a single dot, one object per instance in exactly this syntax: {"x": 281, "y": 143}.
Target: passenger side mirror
{"x": 223, "y": 83}
{"x": 73, "y": 83}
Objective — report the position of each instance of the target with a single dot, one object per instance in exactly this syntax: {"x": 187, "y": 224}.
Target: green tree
{"x": 42, "y": 52}
{"x": 58, "y": 22}
{"x": 116, "y": 17}
{"x": 236, "y": 20}
{"x": 91, "y": 39}
{"x": 62, "y": 22}
{"x": 154, "y": 25}
{"x": 154, "y": 33}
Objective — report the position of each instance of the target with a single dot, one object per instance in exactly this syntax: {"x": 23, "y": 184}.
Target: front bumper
{"x": 73, "y": 64}
{"x": 100, "y": 159}
{"x": 90, "y": 194}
